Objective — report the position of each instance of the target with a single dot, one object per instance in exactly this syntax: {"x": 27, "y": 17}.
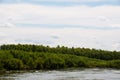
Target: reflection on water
{"x": 86, "y": 74}
{"x": 7, "y": 79}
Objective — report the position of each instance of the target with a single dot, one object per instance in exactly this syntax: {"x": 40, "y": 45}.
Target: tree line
{"x": 91, "y": 53}
{"x": 30, "y": 57}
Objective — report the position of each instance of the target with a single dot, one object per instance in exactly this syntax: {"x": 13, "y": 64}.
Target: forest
{"x": 39, "y": 57}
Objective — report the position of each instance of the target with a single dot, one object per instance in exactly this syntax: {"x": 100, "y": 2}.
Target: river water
{"x": 79, "y": 74}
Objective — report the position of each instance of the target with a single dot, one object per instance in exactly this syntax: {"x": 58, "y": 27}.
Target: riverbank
{"x": 34, "y": 57}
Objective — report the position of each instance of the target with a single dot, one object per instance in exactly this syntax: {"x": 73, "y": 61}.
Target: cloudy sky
{"x": 78, "y": 23}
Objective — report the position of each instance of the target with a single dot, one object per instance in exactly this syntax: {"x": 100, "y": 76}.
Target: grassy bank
{"x": 30, "y": 57}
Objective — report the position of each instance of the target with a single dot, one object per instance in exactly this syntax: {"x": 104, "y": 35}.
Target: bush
{"x": 13, "y": 64}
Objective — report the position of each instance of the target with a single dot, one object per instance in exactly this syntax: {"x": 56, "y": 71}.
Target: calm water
{"x": 85, "y": 74}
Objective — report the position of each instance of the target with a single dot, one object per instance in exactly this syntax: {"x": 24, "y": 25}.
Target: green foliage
{"x": 1, "y": 65}
{"x": 39, "y": 63}
{"x": 91, "y": 53}
{"x": 13, "y": 64}
{"x": 22, "y": 57}
{"x": 114, "y": 64}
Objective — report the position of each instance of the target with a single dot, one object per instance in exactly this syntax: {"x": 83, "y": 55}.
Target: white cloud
{"x": 74, "y": 0}
{"x": 100, "y": 16}
{"x": 6, "y": 25}
{"x": 100, "y": 39}
{"x": 116, "y": 46}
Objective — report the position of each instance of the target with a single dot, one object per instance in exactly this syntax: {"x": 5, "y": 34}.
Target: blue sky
{"x": 79, "y": 23}
{"x": 65, "y": 2}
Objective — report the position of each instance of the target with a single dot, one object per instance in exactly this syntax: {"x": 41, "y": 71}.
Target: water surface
{"x": 81, "y": 74}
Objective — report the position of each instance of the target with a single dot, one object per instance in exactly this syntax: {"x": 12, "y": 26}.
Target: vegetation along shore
{"x": 39, "y": 57}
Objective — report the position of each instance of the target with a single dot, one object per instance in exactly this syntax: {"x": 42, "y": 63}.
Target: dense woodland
{"x": 37, "y": 57}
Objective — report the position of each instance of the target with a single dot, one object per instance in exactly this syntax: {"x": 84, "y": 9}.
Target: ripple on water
{"x": 86, "y": 74}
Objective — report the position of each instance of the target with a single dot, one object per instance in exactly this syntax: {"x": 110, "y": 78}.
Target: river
{"x": 78, "y": 74}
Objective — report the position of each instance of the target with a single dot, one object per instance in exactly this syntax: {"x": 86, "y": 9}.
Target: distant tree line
{"x": 27, "y": 57}
{"x": 91, "y": 53}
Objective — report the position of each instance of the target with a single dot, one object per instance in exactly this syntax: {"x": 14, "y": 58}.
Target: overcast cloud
{"x": 78, "y": 25}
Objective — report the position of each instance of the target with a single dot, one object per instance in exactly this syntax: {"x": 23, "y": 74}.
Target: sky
{"x": 72, "y": 23}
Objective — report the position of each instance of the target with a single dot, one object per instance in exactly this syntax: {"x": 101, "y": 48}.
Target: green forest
{"x": 39, "y": 57}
